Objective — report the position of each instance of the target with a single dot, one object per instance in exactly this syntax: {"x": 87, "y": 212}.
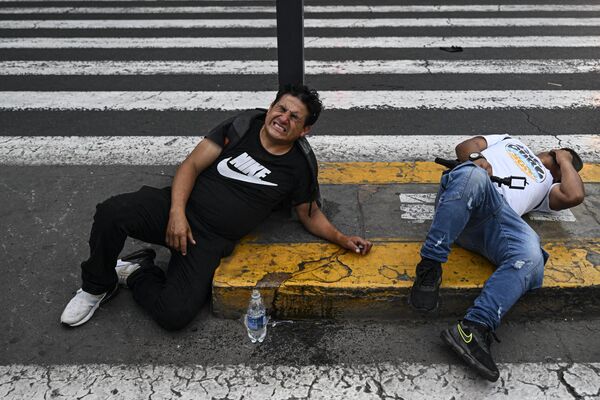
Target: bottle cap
{"x": 255, "y": 294}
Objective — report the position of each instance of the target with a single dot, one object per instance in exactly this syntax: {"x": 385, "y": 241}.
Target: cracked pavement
{"x": 237, "y": 382}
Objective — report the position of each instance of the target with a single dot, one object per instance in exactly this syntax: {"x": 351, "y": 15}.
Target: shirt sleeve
{"x": 544, "y": 206}
{"x": 301, "y": 193}
{"x": 493, "y": 139}
{"x": 218, "y": 134}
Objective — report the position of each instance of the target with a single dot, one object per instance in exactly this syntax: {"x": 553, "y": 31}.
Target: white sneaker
{"x": 83, "y": 305}
{"x": 124, "y": 269}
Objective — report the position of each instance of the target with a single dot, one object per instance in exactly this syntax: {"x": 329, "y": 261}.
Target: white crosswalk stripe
{"x": 336, "y": 100}
{"x": 307, "y": 9}
{"x": 308, "y": 23}
{"x": 312, "y": 67}
{"x": 171, "y": 150}
{"x": 395, "y": 42}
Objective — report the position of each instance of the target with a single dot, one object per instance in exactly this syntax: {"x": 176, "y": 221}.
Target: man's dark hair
{"x": 308, "y": 96}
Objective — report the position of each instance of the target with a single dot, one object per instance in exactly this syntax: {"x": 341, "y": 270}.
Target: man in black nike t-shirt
{"x": 220, "y": 193}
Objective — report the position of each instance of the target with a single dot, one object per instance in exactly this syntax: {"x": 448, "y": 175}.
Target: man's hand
{"x": 563, "y": 156}
{"x": 179, "y": 232}
{"x": 483, "y": 163}
{"x": 570, "y": 192}
{"x": 319, "y": 225}
{"x": 356, "y": 244}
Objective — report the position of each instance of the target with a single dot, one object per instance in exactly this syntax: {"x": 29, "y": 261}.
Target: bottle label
{"x": 255, "y": 323}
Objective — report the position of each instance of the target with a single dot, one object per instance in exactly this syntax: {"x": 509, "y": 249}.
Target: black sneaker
{"x": 425, "y": 291}
{"x": 472, "y": 342}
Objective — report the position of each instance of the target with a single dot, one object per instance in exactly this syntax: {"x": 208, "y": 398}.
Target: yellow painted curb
{"x": 403, "y": 172}
{"x": 290, "y": 274}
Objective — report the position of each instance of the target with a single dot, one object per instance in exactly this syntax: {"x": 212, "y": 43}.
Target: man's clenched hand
{"x": 179, "y": 232}
{"x": 356, "y": 244}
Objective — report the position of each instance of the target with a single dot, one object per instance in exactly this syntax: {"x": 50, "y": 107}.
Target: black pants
{"x": 172, "y": 299}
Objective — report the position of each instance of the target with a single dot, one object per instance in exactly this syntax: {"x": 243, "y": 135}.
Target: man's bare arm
{"x": 570, "y": 192}
{"x": 318, "y": 224}
{"x": 178, "y": 229}
{"x": 474, "y": 145}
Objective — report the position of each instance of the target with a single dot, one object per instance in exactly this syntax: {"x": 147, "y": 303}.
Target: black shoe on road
{"x": 472, "y": 341}
{"x": 425, "y": 290}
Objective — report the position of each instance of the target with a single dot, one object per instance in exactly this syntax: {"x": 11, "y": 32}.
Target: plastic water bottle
{"x": 256, "y": 318}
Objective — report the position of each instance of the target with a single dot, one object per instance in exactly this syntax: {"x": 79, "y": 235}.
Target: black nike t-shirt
{"x": 241, "y": 188}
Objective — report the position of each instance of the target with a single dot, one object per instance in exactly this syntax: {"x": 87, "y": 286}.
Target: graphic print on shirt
{"x": 526, "y": 161}
{"x": 248, "y": 170}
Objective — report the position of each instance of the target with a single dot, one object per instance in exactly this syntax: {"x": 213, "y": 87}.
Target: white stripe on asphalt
{"x": 307, "y": 9}
{"x": 419, "y": 208}
{"x": 171, "y": 150}
{"x": 235, "y": 382}
{"x": 308, "y": 23}
{"x": 309, "y": 42}
{"x": 554, "y": 216}
{"x": 312, "y": 67}
{"x": 334, "y": 100}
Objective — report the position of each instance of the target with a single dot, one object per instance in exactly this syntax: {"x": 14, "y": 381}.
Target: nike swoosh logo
{"x": 466, "y": 338}
{"x": 226, "y": 171}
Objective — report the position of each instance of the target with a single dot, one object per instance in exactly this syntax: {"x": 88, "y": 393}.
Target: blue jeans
{"x": 471, "y": 212}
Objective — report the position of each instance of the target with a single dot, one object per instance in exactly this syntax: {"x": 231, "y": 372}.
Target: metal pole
{"x": 290, "y": 41}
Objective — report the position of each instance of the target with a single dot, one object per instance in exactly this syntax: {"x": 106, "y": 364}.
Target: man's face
{"x": 285, "y": 119}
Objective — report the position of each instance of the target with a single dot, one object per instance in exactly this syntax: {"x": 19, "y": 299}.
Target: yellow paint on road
{"x": 403, "y": 172}
{"x": 290, "y": 274}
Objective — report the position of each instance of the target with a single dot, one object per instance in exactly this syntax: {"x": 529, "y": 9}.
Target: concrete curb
{"x": 315, "y": 280}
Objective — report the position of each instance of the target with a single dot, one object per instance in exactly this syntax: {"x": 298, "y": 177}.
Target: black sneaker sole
{"x": 473, "y": 363}
{"x": 424, "y": 310}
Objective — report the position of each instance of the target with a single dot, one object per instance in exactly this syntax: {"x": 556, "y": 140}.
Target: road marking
{"x": 562, "y": 216}
{"x": 398, "y": 42}
{"x": 417, "y": 198}
{"x": 278, "y": 382}
{"x": 343, "y": 150}
{"x": 419, "y": 207}
{"x": 308, "y": 23}
{"x": 312, "y": 67}
{"x": 333, "y": 100}
{"x": 307, "y": 9}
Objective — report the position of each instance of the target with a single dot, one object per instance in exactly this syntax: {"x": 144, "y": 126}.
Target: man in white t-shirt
{"x": 483, "y": 217}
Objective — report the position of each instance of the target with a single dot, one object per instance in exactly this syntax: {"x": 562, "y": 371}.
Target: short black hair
{"x": 308, "y": 96}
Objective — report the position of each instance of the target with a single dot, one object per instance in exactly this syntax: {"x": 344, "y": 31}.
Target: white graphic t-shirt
{"x": 510, "y": 157}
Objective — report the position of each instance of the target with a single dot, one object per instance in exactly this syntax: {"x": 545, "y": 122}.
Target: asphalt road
{"x": 45, "y": 235}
